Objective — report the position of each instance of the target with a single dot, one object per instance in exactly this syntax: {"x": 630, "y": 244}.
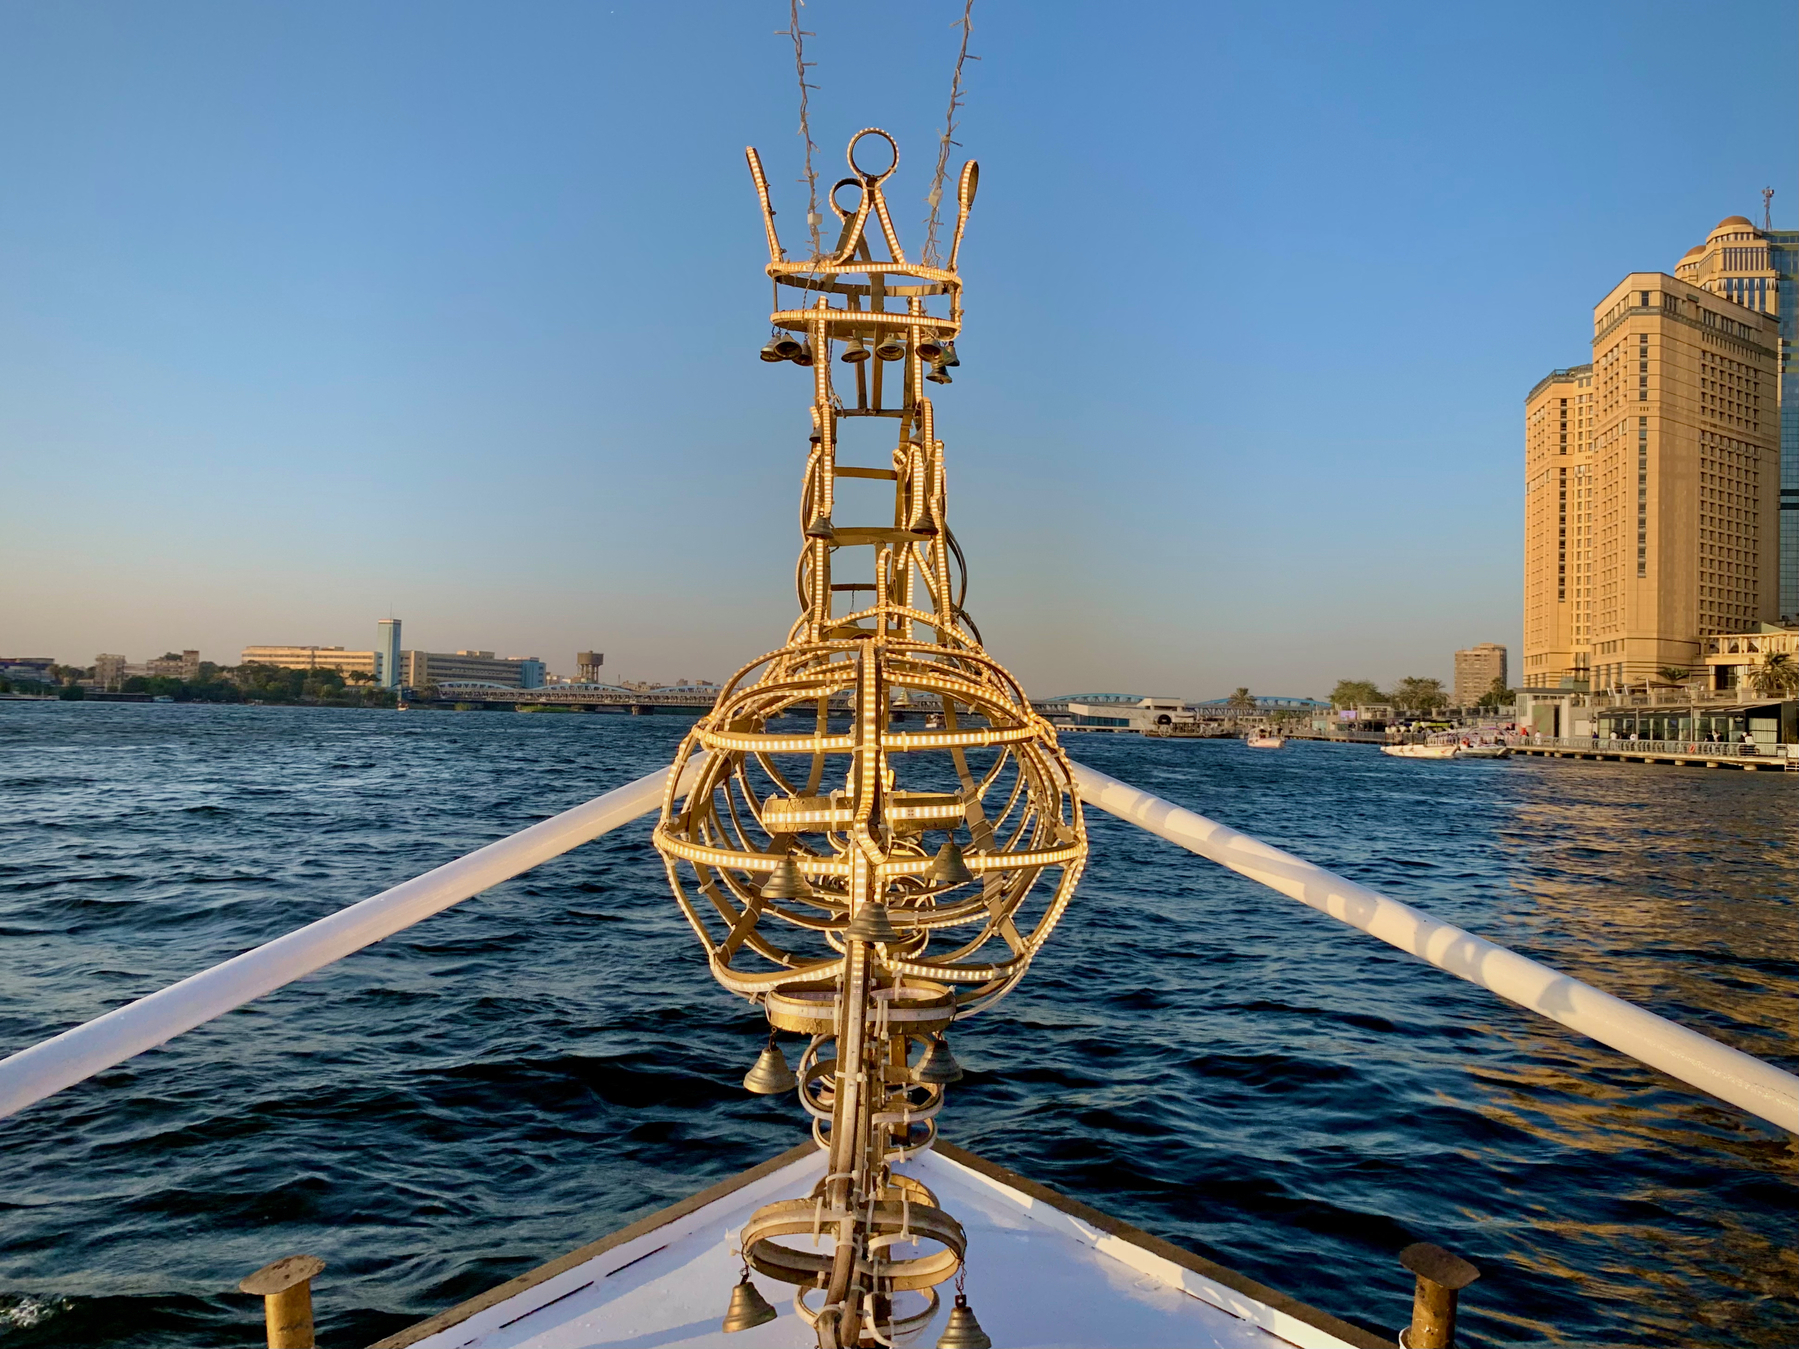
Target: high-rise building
{"x": 387, "y": 653}
{"x": 109, "y": 670}
{"x": 1559, "y": 421}
{"x": 1759, "y": 269}
{"x": 1475, "y": 670}
{"x": 1652, "y": 515}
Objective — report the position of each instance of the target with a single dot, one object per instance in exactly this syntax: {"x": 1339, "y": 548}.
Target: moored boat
{"x": 1448, "y": 751}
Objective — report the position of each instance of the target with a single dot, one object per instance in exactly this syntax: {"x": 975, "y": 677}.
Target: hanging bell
{"x": 786, "y": 882}
{"x": 938, "y": 375}
{"x": 891, "y": 348}
{"x": 962, "y": 1332}
{"x": 771, "y": 350}
{"x": 784, "y": 345}
{"x": 871, "y": 925}
{"x": 928, "y": 347}
{"x": 821, "y": 528}
{"x": 938, "y": 1065}
{"x": 949, "y": 868}
{"x": 770, "y": 1075}
{"x": 804, "y": 355}
{"x": 949, "y": 352}
{"x": 856, "y": 352}
{"x": 749, "y": 1308}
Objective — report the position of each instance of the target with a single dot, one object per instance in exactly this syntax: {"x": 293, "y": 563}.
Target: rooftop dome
{"x": 1731, "y": 220}
{"x": 1696, "y": 248}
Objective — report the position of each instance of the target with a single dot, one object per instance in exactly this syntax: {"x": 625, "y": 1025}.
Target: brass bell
{"x": 856, "y": 352}
{"x": 949, "y": 352}
{"x": 784, "y": 345}
{"x": 749, "y": 1308}
{"x": 949, "y": 868}
{"x": 938, "y": 1065}
{"x": 928, "y": 347}
{"x": 804, "y": 355}
{"x": 938, "y": 375}
{"x": 871, "y": 925}
{"x": 891, "y": 348}
{"x": 771, "y": 350}
{"x": 786, "y": 882}
{"x": 963, "y": 1331}
{"x": 770, "y": 1075}
{"x": 821, "y": 528}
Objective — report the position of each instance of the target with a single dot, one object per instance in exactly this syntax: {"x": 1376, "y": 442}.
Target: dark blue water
{"x": 1200, "y": 1056}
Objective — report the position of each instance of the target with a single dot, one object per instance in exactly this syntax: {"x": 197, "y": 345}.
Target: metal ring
{"x": 831, "y": 197}
{"x": 868, "y": 176}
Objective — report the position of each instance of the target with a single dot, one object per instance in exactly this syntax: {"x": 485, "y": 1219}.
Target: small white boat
{"x": 1485, "y": 752}
{"x": 1422, "y": 751}
{"x": 1264, "y": 741}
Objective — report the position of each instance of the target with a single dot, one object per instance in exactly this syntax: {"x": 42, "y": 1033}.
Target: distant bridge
{"x": 636, "y": 702}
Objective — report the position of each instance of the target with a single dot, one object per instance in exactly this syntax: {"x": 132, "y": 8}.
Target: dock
{"x": 1680, "y": 754}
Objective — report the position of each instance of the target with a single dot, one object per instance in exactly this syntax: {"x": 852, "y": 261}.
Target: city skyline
{"x": 397, "y": 327}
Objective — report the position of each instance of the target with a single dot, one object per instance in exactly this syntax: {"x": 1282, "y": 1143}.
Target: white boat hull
{"x": 1043, "y": 1271}
{"x": 1265, "y": 741}
{"x": 1421, "y": 751}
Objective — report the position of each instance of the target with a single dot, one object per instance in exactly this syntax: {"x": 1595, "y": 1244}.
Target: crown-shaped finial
{"x": 864, "y": 319}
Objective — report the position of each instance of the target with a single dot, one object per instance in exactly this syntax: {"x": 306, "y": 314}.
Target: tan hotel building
{"x": 1652, "y": 475}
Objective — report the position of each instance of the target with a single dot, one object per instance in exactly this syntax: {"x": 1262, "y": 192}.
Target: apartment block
{"x": 185, "y": 666}
{"x": 1475, "y": 670}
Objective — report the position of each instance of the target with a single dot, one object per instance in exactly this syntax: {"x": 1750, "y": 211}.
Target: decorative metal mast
{"x": 802, "y": 855}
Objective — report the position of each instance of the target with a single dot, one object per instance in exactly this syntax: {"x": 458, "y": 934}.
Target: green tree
{"x": 1417, "y": 694}
{"x": 1242, "y": 700}
{"x": 1776, "y": 676}
{"x": 1674, "y": 674}
{"x": 1356, "y": 693}
{"x": 1497, "y": 695}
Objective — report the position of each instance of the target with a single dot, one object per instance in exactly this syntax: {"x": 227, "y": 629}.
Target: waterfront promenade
{"x": 1679, "y": 753}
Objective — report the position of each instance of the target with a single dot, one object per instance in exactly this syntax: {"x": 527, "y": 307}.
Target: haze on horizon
{"x": 314, "y": 314}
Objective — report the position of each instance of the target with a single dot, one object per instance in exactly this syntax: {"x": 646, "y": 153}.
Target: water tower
{"x": 587, "y": 666}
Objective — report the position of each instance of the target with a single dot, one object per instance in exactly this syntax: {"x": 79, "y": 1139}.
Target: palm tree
{"x": 1242, "y": 700}
{"x": 1776, "y": 676}
{"x": 1674, "y": 674}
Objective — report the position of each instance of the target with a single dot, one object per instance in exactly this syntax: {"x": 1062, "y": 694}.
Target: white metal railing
{"x": 1729, "y": 1074}
{"x": 1690, "y": 749}
{"x": 46, "y": 1068}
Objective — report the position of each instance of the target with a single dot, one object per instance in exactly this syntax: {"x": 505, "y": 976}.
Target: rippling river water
{"x": 1193, "y": 1053}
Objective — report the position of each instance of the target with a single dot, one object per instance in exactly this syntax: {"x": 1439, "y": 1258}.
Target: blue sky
{"x": 313, "y": 312}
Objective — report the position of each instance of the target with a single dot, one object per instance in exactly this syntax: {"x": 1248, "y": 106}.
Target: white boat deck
{"x": 1042, "y": 1271}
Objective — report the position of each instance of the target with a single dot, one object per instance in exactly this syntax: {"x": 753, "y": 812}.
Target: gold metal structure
{"x": 802, "y": 853}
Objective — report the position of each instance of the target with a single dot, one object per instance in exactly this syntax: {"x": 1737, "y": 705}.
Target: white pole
{"x": 46, "y": 1068}
{"x": 1729, "y": 1074}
